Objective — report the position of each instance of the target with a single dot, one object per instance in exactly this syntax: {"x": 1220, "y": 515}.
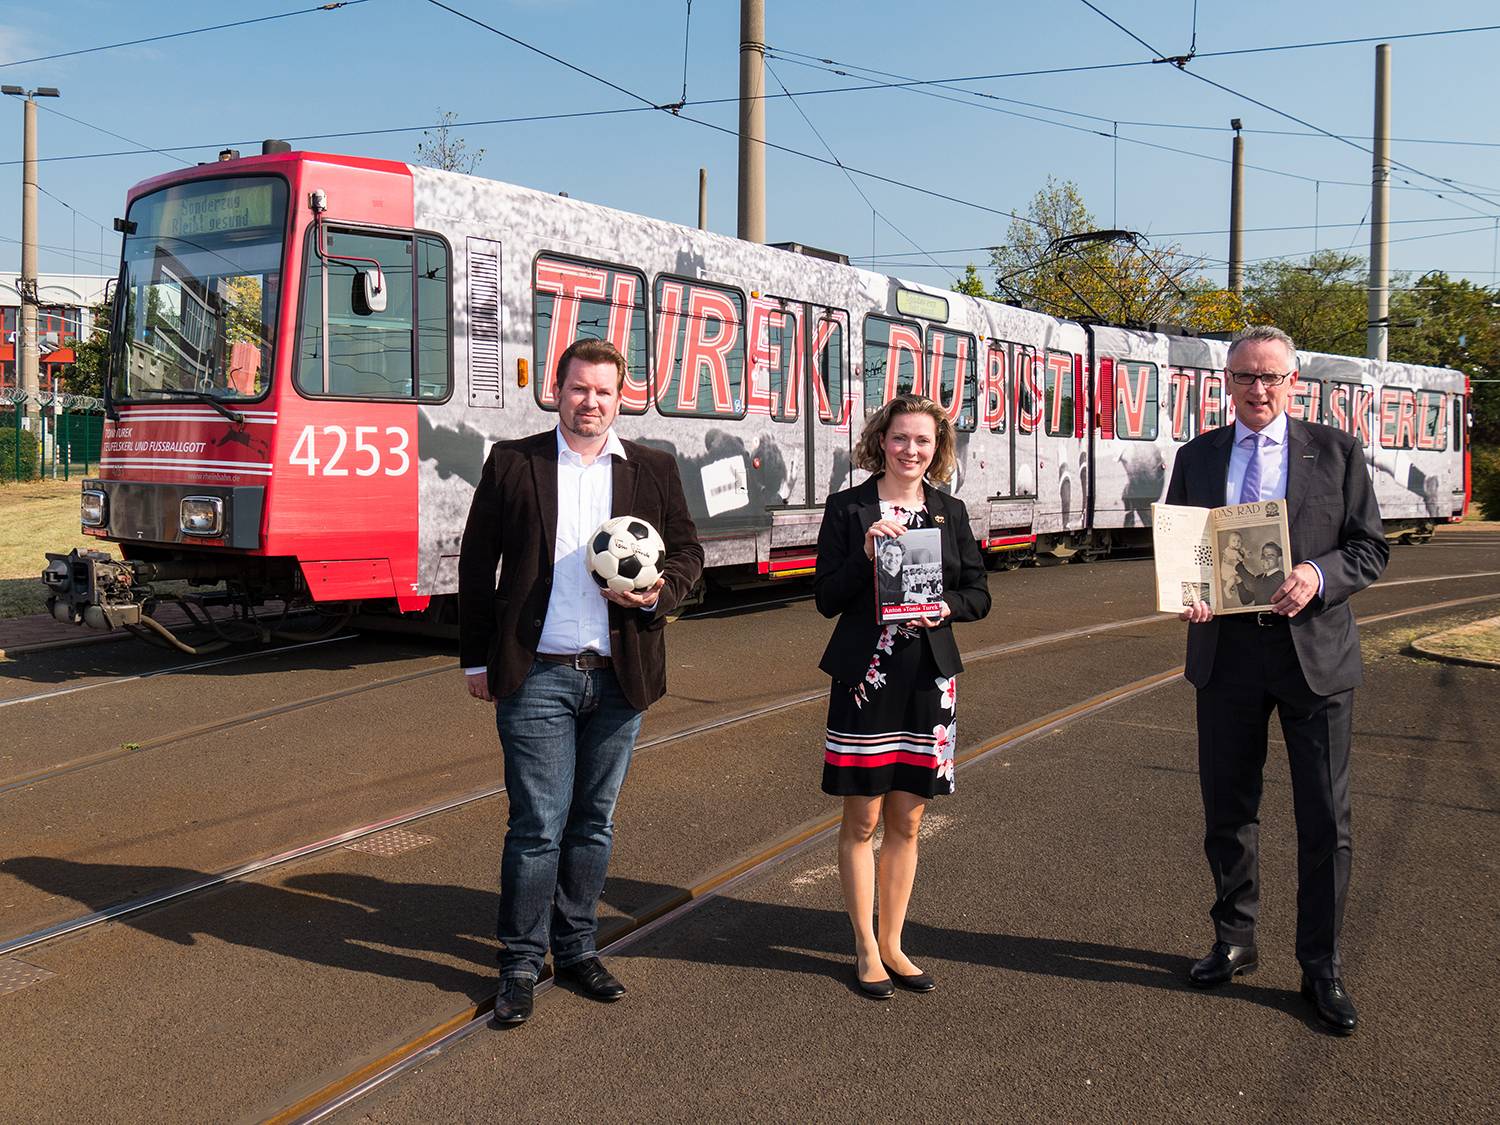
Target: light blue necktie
{"x": 1250, "y": 489}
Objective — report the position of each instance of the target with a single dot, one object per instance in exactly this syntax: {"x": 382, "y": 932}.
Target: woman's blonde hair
{"x": 868, "y": 455}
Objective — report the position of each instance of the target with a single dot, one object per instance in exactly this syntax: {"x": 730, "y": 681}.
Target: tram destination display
{"x": 909, "y": 575}
{"x": 1234, "y": 558}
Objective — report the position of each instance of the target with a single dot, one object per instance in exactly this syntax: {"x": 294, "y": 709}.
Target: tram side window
{"x": 784, "y": 363}
{"x": 398, "y": 352}
{"x": 1184, "y": 405}
{"x": 1398, "y": 418}
{"x": 578, "y": 300}
{"x": 1458, "y": 423}
{"x": 1306, "y": 400}
{"x": 1432, "y": 432}
{"x": 1059, "y": 391}
{"x": 1028, "y": 394}
{"x": 893, "y": 360}
{"x": 700, "y": 349}
{"x": 996, "y": 363}
{"x": 828, "y": 367}
{"x": 952, "y": 362}
{"x": 1136, "y": 408}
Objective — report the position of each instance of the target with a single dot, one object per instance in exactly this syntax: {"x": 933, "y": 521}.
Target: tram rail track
{"x": 323, "y": 1104}
{"x": 355, "y": 834}
{"x": 262, "y": 865}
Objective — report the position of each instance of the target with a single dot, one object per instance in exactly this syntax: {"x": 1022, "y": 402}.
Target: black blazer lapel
{"x": 544, "y": 474}
{"x": 1221, "y": 447}
{"x": 868, "y": 498}
{"x": 1301, "y": 460}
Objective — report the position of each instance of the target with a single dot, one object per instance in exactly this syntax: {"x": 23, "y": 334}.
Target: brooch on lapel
{"x": 939, "y": 519}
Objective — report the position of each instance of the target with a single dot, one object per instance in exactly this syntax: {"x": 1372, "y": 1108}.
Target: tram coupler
{"x": 92, "y": 588}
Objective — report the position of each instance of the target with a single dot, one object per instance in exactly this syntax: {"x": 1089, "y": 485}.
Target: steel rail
{"x": 173, "y": 671}
{"x": 254, "y": 867}
{"x": 321, "y": 1104}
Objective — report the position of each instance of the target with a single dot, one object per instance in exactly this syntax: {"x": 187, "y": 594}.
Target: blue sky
{"x": 387, "y": 64}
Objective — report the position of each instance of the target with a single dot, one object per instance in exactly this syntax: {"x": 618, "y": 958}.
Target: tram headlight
{"x": 93, "y": 508}
{"x": 201, "y": 515}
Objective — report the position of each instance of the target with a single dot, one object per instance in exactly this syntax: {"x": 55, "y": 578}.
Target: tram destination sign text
{"x": 217, "y": 212}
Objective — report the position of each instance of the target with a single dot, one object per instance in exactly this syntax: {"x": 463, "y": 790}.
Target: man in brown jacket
{"x": 570, "y": 668}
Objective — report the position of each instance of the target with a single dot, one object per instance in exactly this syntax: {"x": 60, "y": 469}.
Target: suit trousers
{"x": 1256, "y": 671}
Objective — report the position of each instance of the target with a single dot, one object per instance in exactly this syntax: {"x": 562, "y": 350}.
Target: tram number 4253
{"x": 369, "y": 451}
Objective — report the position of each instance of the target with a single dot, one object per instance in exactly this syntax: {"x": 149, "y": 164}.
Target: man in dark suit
{"x": 570, "y": 667}
{"x": 1259, "y": 589}
{"x": 1300, "y": 659}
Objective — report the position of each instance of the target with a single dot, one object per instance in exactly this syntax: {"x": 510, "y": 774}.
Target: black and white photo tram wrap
{"x": 754, "y": 365}
{"x": 345, "y": 469}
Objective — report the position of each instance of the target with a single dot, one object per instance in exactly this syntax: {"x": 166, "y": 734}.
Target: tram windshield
{"x": 196, "y": 310}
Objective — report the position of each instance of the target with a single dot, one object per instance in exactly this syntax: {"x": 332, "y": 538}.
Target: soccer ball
{"x": 626, "y": 554}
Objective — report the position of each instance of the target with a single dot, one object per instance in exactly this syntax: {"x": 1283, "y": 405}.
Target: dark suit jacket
{"x": 513, "y": 523}
{"x": 844, "y": 584}
{"x": 1334, "y": 523}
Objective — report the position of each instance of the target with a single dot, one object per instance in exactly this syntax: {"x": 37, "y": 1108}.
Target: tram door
{"x": 827, "y": 402}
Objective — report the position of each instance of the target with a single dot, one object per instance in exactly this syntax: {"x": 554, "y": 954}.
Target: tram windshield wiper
{"x": 197, "y": 396}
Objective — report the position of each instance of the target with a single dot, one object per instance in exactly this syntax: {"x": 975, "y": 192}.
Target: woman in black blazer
{"x": 891, "y": 707}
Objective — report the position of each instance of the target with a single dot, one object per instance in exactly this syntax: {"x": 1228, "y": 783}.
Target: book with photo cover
{"x": 909, "y": 575}
{"x": 1234, "y": 558}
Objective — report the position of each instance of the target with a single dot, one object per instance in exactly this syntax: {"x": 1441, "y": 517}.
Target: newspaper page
{"x": 1235, "y": 557}
{"x": 909, "y": 575}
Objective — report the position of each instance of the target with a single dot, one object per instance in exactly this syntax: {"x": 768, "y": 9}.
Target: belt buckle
{"x": 580, "y": 661}
{"x": 1267, "y": 620}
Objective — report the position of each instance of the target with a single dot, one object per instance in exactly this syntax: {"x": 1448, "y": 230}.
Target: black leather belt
{"x": 585, "y": 661}
{"x": 1264, "y": 619}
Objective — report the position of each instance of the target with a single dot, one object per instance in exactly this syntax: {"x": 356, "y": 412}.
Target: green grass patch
{"x": 36, "y": 517}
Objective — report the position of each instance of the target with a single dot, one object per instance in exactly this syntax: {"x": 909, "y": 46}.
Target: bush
{"x": 8, "y": 435}
{"x": 1486, "y": 470}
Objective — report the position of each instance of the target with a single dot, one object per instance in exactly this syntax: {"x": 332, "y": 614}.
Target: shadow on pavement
{"x": 780, "y": 938}
{"x": 333, "y": 919}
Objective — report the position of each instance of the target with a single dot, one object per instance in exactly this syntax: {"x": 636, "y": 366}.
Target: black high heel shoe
{"x": 912, "y": 982}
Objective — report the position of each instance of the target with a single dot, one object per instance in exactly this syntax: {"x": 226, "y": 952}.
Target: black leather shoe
{"x": 1334, "y": 1007}
{"x": 912, "y": 982}
{"x": 1223, "y": 963}
{"x": 513, "y": 1005}
{"x": 592, "y": 979}
{"x": 875, "y": 989}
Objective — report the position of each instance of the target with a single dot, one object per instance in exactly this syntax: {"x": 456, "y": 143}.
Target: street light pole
{"x": 28, "y": 353}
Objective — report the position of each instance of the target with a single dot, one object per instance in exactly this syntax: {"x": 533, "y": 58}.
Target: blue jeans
{"x": 567, "y": 737}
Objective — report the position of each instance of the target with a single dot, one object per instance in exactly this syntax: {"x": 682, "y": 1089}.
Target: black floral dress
{"x": 895, "y": 729}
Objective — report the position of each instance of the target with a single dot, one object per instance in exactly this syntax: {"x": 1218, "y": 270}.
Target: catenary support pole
{"x": 1378, "y": 329}
{"x": 752, "y": 214}
{"x": 1237, "y": 215}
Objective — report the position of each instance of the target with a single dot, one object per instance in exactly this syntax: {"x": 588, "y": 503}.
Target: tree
{"x": 91, "y": 356}
{"x": 1321, "y": 302}
{"x": 1116, "y": 276}
{"x": 439, "y": 149}
{"x": 1459, "y": 327}
{"x": 971, "y": 283}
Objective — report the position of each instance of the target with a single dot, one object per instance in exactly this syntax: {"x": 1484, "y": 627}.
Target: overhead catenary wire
{"x": 852, "y": 181}
{"x": 180, "y": 34}
{"x": 1291, "y": 116}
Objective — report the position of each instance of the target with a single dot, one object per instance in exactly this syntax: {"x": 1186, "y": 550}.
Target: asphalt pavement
{"x": 1061, "y": 894}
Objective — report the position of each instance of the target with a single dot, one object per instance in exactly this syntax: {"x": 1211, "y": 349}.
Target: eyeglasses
{"x": 1270, "y": 379}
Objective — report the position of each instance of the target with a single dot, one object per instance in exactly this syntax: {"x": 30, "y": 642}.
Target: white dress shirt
{"x": 1274, "y": 458}
{"x": 577, "y": 614}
